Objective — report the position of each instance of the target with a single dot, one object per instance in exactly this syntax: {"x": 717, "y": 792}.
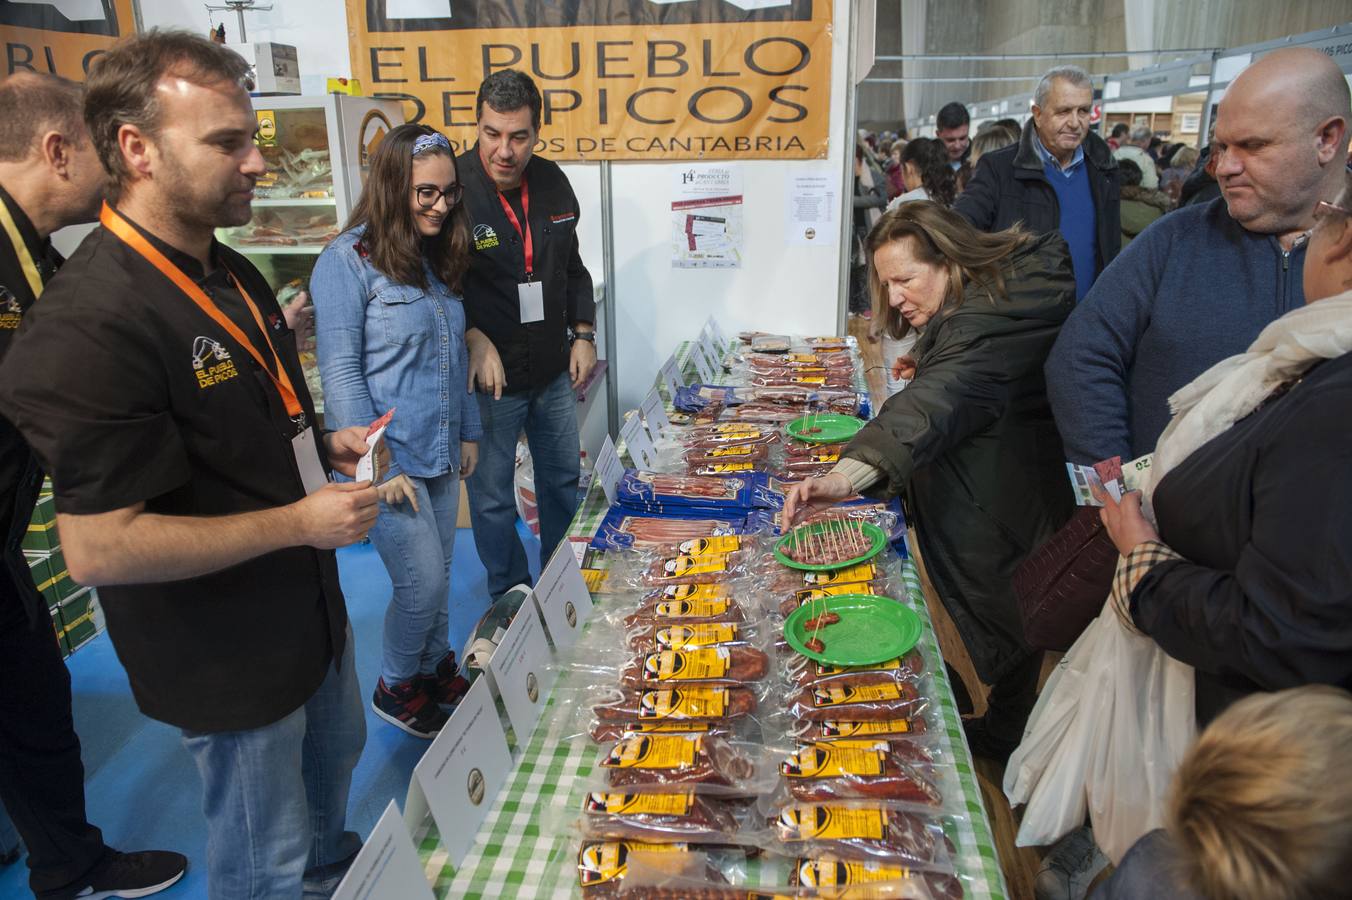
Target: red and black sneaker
{"x": 409, "y": 708}
{"x": 447, "y": 686}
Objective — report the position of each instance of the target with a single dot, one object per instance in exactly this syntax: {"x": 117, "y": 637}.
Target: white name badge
{"x": 387, "y": 865}
{"x": 531, "y": 296}
{"x": 311, "y": 470}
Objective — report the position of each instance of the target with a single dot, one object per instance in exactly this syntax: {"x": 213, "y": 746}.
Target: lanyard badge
{"x": 530, "y": 294}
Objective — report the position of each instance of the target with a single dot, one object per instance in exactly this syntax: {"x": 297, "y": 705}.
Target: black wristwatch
{"x": 581, "y": 336}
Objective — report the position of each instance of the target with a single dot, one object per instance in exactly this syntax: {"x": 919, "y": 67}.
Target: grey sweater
{"x": 1192, "y": 289}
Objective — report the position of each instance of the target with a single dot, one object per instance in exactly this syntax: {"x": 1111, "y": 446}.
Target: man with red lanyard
{"x": 528, "y": 300}
{"x": 50, "y": 177}
{"x": 159, "y": 385}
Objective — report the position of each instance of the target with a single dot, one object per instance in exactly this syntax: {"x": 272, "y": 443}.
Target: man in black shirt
{"x": 50, "y": 177}
{"x": 160, "y": 386}
{"x": 528, "y": 299}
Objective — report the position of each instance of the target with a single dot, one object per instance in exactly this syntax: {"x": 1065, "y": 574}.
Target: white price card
{"x": 671, "y": 377}
{"x": 706, "y": 371}
{"x": 655, "y": 415}
{"x": 609, "y": 469}
{"x": 387, "y": 865}
{"x": 459, "y": 776}
{"x": 564, "y": 601}
{"x": 712, "y": 351}
{"x": 638, "y": 443}
{"x": 716, "y": 333}
{"x": 523, "y": 671}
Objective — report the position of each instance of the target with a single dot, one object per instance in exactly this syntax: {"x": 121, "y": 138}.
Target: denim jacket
{"x": 383, "y": 344}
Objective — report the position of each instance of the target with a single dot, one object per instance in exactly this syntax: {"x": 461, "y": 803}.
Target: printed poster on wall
{"x": 62, "y": 38}
{"x": 619, "y": 79}
{"x": 706, "y": 217}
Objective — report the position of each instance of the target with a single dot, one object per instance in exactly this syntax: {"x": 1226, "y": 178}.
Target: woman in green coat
{"x": 970, "y": 443}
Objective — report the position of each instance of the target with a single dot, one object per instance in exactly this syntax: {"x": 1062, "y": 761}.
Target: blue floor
{"x": 140, "y": 784}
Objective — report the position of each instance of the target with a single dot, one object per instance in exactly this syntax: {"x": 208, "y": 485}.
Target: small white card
{"x": 671, "y": 377}
{"x": 638, "y": 443}
{"x": 655, "y": 415}
{"x": 531, "y": 296}
{"x": 579, "y": 546}
{"x": 312, "y": 475}
{"x": 706, "y": 371}
{"x": 717, "y": 332}
{"x": 609, "y": 469}
{"x": 461, "y": 773}
{"x": 523, "y": 671}
{"x": 564, "y": 601}
{"x": 368, "y": 467}
{"x": 387, "y": 865}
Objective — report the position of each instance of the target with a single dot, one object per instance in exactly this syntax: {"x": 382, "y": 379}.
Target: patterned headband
{"x": 430, "y": 141}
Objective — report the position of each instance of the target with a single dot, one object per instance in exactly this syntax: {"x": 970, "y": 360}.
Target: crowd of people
{"x": 1043, "y": 295}
{"x": 1083, "y": 299}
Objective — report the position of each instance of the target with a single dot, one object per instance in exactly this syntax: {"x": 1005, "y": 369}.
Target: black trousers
{"x": 41, "y": 776}
{"x": 1012, "y": 699}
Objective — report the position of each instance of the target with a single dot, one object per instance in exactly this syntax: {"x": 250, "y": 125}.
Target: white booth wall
{"x": 793, "y": 289}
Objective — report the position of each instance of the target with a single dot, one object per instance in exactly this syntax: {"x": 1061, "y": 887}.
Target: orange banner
{"x": 38, "y": 37}
{"x": 620, "y": 79}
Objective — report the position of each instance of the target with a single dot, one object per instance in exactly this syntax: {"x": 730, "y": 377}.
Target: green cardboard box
{"x": 45, "y": 510}
{"x": 56, "y": 584}
{"x": 81, "y": 631}
{"x": 41, "y": 536}
{"x": 60, "y": 629}
{"x": 78, "y": 606}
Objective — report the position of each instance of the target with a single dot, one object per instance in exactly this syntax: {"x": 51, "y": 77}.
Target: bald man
{"x": 1201, "y": 282}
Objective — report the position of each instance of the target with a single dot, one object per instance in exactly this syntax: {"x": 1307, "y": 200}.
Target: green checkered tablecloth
{"x": 522, "y": 851}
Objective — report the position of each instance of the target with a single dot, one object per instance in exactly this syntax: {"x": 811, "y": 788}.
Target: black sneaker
{"x": 409, "y": 708}
{"x": 447, "y": 687}
{"x": 131, "y": 875}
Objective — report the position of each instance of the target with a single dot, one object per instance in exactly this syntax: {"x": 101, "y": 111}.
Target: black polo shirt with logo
{"x": 130, "y": 393}
{"x": 20, "y": 474}
{"x": 535, "y": 354}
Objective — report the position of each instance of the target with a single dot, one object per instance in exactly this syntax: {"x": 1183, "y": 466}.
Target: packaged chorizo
{"x": 659, "y": 817}
{"x": 900, "y": 728}
{"x": 880, "y": 830}
{"x": 604, "y": 866}
{"x": 714, "y": 603}
{"x": 803, "y": 672}
{"x": 606, "y": 731}
{"x": 684, "y": 705}
{"x": 878, "y": 588}
{"x": 723, "y": 664}
{"x": 690, "y": 636}
{"x": 866, "y": 879}
{"x": 669, "y": 762}
{"x": 851, "y": 703}
{"x": 687, "y": 569}
{"x": 701, "y": 454}
{"x": 861, "y": 770}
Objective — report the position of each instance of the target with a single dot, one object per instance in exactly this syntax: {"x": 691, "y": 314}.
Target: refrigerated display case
{"x": 317, "y": 151}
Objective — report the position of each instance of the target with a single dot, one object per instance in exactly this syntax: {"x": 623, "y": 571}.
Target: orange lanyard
{"x": 133, "y": 238}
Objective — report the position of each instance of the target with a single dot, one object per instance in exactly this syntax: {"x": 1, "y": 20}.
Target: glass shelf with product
{"x": 317, "y": 151}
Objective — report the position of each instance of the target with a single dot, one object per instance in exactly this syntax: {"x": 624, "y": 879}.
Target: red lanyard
{"x": 133, "y": 238}
{"x": 524, "y": 233}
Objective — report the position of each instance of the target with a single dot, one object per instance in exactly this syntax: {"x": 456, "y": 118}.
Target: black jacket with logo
{"x": 20, "y": 474}
{"x": 532, "y": 355}
{"x": 1010, "y": 185}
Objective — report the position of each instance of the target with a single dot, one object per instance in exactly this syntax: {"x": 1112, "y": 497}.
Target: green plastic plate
{"x": 834, "y": 428}
{"x": 871, "y": 630}
{"x": 825, "y": 532}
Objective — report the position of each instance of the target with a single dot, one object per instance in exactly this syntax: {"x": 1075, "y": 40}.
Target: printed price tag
{"x": 638, "y": 443}
{"x": 609, "y": 469}
{"x": 655, "y": 414}
{"x": 671, "y": 376}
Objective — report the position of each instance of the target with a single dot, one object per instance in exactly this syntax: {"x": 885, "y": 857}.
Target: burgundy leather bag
{"x": 1062, "y": 586}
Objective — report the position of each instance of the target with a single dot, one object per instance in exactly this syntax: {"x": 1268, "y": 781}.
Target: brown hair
{"x": 1261, "y": 805}
{"x": 392, "y": 239}
{"x": 943, "y": 238}
{"x": 121, "y": 87}
{"x": 34, "y": 103}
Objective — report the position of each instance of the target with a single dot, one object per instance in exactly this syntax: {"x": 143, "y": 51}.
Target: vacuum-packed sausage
{"x": 725, "y": 664}
{"x": 659, "y": 760}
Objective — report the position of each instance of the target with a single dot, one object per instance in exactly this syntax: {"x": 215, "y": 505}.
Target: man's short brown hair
{"x": 34, "y": 103}
{"x": 121, "y": 86}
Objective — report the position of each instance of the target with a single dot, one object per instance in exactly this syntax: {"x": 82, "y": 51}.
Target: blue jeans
{"x": 549, "y": 416}
{"x": 275, "y": 797}
{"x": 416, "y": 549}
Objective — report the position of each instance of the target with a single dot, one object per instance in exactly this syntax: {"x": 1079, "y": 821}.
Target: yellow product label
{"x": 640, "y": 804}
{"x": 798, "y": 379}
{"x": 667, "y": 728}
{"x": 684, "y": 703}
{"x": 836, "y": 873}
{"x": 738, "y": 450}
{"x": 829, "y": 457}
{"x": 686, "y": 637}
{"x": 860, "y": 572}
{"x": 810, "y": 370}
{"x": 595, "y": 579}
{"x": 678, "y": 566}
{"x": 846, "y": 694}
{"x": 599, "y": 862}
{"x": 833, "y": 761}
{"x": 827, "y": 671}
{"x": 833, "y": 823}
{"x": 661, "y": 751}
{"x": 725, "y": 468}
{"x": 833, "y": 590}
{"x": 694, "y": 592}
{"x": 722, "y": 543}
{"x": 832, "y": 729}
{"x": 691, "y": 609}
{"x": 737, "y": 435}
{"x": 803, "y": 358}
{"x": 687, "y": 665}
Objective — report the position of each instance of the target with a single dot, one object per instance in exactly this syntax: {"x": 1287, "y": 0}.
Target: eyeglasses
{"x": 428, "y": 195}
{"x": 1323, "y": 208}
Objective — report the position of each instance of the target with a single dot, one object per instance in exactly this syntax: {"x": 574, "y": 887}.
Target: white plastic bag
{"x": 1107, "y": 734}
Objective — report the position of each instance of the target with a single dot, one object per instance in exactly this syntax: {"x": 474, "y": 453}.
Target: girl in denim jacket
{"x": 390, "y": 329}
